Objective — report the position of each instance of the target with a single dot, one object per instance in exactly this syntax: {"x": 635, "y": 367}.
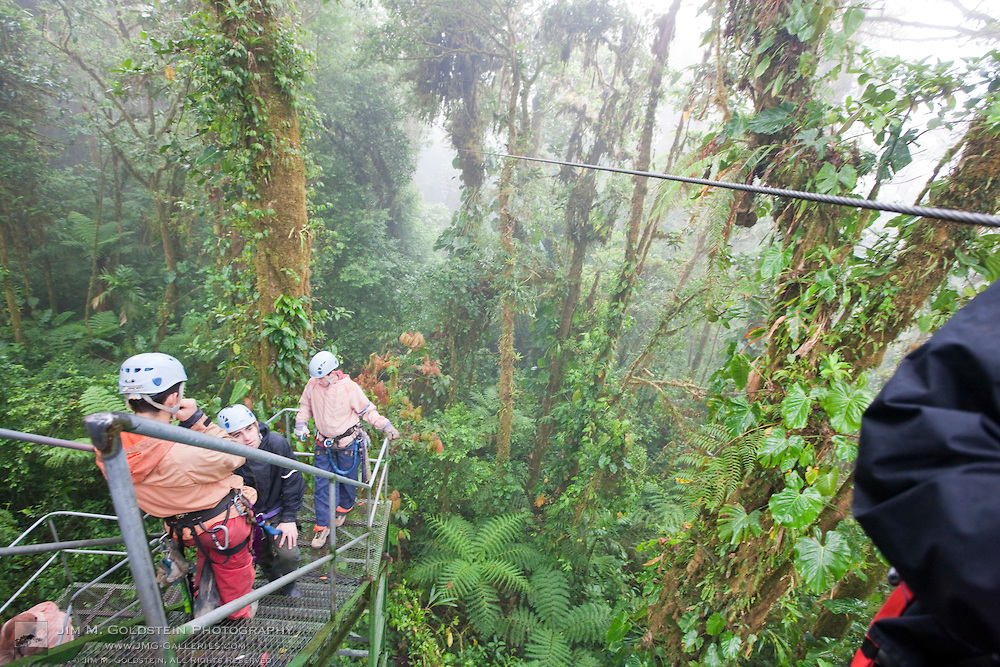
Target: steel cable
{"x": 964, "y": 217}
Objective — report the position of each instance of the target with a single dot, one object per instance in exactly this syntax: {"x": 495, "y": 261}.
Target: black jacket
{"x": 927, "y": 489}
{"x": 276, "y": 486}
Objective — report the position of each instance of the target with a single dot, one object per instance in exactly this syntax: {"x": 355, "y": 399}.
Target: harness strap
{"x": 323, "y": 441}
{"x": 193, "y": 521}
{"x": 898, "y": 601}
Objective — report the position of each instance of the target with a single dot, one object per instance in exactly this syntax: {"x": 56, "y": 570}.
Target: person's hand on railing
{"x": 391, "y": 432}
{"x": 301, "y": 431}
{"x": 290, "y": 532}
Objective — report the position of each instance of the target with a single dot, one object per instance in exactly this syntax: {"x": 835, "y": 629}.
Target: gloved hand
{"x": 391, "y": 432}
{"x": 301, "y": 432}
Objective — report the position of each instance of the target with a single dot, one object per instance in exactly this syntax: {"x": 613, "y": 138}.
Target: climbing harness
{"x": 191, "y": 524}
{"x": 358, "y": 445}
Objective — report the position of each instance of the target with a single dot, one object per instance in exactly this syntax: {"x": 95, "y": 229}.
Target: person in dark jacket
{"x": 279, "y": 493}
{"x": 927, "y": 492}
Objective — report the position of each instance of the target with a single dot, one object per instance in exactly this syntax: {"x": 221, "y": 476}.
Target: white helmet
{"x": 235, "y": 417}
{"x": 149, "y": 374}
{"x": 323, "y": 364}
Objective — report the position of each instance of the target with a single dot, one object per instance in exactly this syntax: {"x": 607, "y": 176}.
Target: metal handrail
{"x": 85, "y": 515}
{"x": 45, "y": 440}
{"x": 59, "y": 547}
{"x": 104, "y": 429}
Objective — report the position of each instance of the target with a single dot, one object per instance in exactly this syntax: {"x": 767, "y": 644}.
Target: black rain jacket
{"x": 276, "y": 486}
{"x": 927, "y": 490}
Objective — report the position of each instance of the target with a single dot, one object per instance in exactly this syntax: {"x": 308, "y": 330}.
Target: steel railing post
{"x": 104, "y": 429}
{"x": 332, "y": 520}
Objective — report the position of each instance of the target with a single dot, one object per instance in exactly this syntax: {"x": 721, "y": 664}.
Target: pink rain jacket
{"x": 337, "y": 407}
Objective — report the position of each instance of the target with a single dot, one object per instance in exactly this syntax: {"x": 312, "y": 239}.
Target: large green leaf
{"x": 772, "y": 120}
{"x": 796, "y": 510}
{"x": 783, "y": 452}
{"x": 715, "y": 624}
{"x": 821, "y": 565}
{"x": 773, "y": 262}
{"x": 796, "y": 407}
{"x": 845, "y": 404}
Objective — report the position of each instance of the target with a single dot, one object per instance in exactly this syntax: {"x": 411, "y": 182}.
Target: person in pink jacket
{"x": 336, "y": 404}
{"x": 192, "y": 489}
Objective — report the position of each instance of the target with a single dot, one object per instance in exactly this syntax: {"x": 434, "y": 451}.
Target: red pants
{"x": 234, "y": 574}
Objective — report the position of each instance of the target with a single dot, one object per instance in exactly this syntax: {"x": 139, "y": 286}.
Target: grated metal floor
{"x": 282, "y": 627}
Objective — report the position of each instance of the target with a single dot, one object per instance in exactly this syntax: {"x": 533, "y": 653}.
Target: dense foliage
{"x": 629, "y": 408}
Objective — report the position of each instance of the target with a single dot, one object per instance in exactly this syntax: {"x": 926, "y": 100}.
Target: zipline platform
{"x": 284, "y": 630}
{"x": 139, "y": 623}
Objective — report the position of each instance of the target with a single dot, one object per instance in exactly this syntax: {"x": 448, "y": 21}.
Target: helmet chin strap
{"x": 160, "y": 406}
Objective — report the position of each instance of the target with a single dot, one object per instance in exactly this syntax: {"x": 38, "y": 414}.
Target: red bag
{"x": 898, "y": 601}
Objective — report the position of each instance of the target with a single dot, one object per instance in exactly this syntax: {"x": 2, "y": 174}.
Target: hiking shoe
{"x": 292, "y": 590}
{"x": 320, "y": 538}
{"x": 339, "y": 520}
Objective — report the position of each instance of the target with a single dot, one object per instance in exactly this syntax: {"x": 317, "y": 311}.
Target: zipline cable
{"x": 964, "y": 217}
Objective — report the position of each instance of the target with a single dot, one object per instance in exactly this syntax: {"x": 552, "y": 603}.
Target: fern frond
{"x": 104, "y": 322}
{"x": 497, "y": 532}
{"x": 584, "y": 658}
{"x": 62, "y": 457}
{"x": 586, "y": 623}
{"x": 518, "y": 625}
{"x": 549, "y": 648}
{"x": 98, "y": 399}
{"x": 549, "y": 596}
{"x": 460, "y": 576}
{"x": 669, "y": 512}
{"x": 483, "y": 608}
{"x": 428, "y": 570}
{"x": 456, "y": 534}
{"x": 504, "y": 575}
{"x": 522, "y": 555}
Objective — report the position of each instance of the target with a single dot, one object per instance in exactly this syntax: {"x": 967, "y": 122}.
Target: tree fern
{"x": 498, "y": 532}
{"x": 97, "y": 398}
{"x": 476, "y": 564}
{"x": 455, "y": 534}
{"x": 482, "y": 605}
{"x": 548, "y": 647}
{"x": 584, "y": 658}
{"x": 552, "y": 625}
{"x": 549, "y": 596}
{"x": 587, "y": 622}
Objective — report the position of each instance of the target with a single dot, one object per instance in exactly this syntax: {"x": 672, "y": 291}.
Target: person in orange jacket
{"x": 192, "y": 489}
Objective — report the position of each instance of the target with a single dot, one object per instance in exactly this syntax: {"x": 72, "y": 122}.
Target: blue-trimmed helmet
{"x": 235, "y": 417}
{"x": 323, "y": 364}
{"x": 149, "y": 373}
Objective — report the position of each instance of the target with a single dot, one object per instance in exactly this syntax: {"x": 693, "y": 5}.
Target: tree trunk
{"x": 278, "y": 216}
{"x": 931, "y": 248}
{"x": 632, "y": 259}
{"x": 13, "y": 312}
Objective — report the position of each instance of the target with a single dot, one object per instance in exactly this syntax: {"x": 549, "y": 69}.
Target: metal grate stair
{"x": 284, "y": 631}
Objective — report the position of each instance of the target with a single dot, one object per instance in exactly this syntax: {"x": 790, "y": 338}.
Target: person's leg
{"x": 321, "y": 489}
{"x": 266, "y": 556}
{"x": 234, "y": 574}
{"x": 349, "y": 460}
{"x": 283, "y": 559}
